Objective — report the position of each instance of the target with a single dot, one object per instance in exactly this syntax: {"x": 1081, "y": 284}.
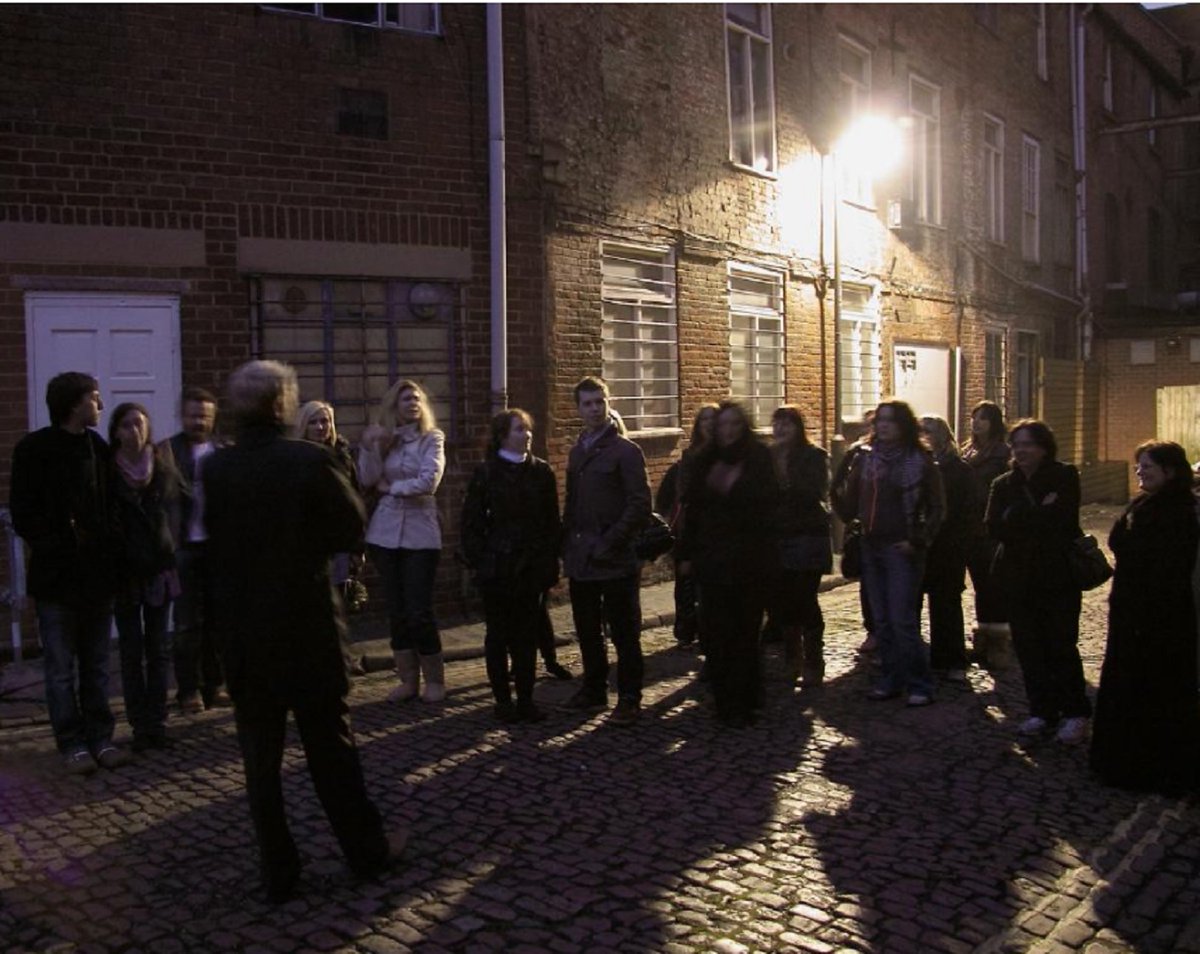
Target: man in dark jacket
{"x": 62, "y": 508}
{"x": 197, "y": 667}
{"x": 608, "y": 505}
{"x": 276, "y": 510}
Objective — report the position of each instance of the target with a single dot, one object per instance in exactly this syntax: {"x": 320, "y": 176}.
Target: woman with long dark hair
{"x": 146, "y": 489}
{"x": 729, "y": 543}
{"x": 805, "y": 551}
{"x": 1033, "y": 513}
{"x": 987, "y": 454}
{"x": 1146, "y": 734}
{"x": 510, "y": 536}
{"x": 896, "y": 494}
{"x": 403, "y": 457}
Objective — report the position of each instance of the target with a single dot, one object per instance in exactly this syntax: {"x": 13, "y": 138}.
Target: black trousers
{"x": 947, "y": 637}
{"x": 733, "y": 614}
{"x": 619, "y": 603}
{"x": 1045, "y": 632}
{"x": 323, "y": 721}
{"x": 514, "y": 620}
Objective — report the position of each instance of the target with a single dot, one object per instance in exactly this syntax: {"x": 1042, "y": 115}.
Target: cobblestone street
{"x": 834, "y": 824}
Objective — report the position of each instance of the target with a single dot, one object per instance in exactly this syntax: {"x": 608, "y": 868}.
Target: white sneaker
{"x": 1072, "y": 731}
{"x": 1034, "y": 725}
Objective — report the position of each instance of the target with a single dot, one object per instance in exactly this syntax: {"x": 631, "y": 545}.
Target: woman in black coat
{"x": 146, "y": 491}
{"x": 510, "y": 537}
{"x": 802, "y": 524}
{"x": 1033, "y": 512}
{"x": 1147, "y": 728}
{"x": 729, "y": 543}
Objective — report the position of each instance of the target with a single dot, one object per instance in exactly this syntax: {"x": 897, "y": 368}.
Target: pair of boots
{"x": 993, "y": 645}
{"x": 804, "y": 653}
{"x": 410, "y": 671}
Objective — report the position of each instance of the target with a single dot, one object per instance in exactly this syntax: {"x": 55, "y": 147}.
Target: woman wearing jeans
{"x": 896, "y": 493}
{"x": 403, "y": 457}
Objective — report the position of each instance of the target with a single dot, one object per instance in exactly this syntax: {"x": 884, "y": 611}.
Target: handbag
{"x": 655, "y": 539}
{"x": 852, "y": 551}
{"x": 1089, "y": 566}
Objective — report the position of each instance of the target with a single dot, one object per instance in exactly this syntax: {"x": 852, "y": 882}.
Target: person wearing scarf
{"x": 510, "y": 535}
{"x": 896, "y": 493}
{"x": 146, "y": 490}
{"x": 729, "y": 543}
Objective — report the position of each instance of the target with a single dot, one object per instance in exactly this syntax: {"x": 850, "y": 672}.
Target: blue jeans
{"x": 145, "y": 665}
{"x": 893, "y": 582}
{"x": 77, "y": 639}
{"x": 619, "y": 604}
{"x": 408, "y": 577}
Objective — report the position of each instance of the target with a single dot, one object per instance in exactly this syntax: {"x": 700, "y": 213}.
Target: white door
{"x": 921, "y": 376}
{"x": 129, "y": 342}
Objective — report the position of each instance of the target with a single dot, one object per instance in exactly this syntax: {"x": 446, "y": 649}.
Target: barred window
{"x": 640, "y": 335}
{"x": 861, "y": 350}
{"x": 350, "y": 339}
{"x": 756, "y": 342}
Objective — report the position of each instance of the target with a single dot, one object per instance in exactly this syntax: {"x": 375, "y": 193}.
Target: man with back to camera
{"x": 276, "y": 511}
{"x": 61, "y": 507}
{"x": 197, "y": 667}
{"x": 608, "y": 504}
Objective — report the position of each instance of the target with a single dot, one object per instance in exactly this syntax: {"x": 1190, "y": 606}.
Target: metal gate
{"x": 1179, "y": 417}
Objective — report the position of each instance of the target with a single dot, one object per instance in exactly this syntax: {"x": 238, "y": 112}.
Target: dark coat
{"x": 732, "y": 537}
{"x": 1146, "y": 733}
{"x": 803, "y": 508}
{"x": 62, "y": 507}
{"x": 608, "y": 505}
{"x": 947, "y": 555}
{"x": 986, "y": 465}
{"x": 275, "y": 511}
{"x": 148, "y": 540}
{"x": 1035, "y": 536}
{"x": 510, "y": 525}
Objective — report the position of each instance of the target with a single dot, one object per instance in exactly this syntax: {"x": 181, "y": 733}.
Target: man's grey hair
{"x": 263, "y": 392}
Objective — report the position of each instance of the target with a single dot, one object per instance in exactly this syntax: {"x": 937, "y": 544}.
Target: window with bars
{"x": 350, "y": 339}
{"x": 640, "y": 335}
{"x": 860, "y": 352}
{"x": 993, "y": 178}
{"x": 412, "y": 17}
{"x": 995, "y": 368}
{"x": 924, "y": 100}
{"x": 756, "y": 339}
{"x": 1031, "y": 198}
{"x": 751, "y": 85}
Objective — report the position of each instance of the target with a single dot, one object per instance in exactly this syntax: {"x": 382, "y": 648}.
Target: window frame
{"x": 993, "y": 180}
{"x": 749, "y": 37}
{"x": 1108, "y": 86}
{"x": 854, "y": 187}
{"x": 864, "y": 327}
{"x": 995, "y": 378}
{"x": 640, "y": 296}
{"x": 1026, "y": 389}
{"x": 1031, "y": 199}
{"x": 761, "y": 404}
{"x": 381, "y": 17}
{"x": 926, "y": 185}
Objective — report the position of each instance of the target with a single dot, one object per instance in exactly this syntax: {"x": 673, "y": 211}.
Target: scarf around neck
{"x": 139, "y": 472}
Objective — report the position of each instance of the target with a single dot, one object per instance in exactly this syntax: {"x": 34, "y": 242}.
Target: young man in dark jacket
{"x": 62, "y": 508}
{"x": 608, "y": 505}
{"x": 276, "y": 511}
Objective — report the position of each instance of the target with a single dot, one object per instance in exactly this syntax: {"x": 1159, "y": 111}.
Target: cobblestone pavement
{"x": 833, "y": 825}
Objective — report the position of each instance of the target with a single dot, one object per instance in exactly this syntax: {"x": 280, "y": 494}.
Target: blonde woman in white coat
{"x": 403, "y": 456}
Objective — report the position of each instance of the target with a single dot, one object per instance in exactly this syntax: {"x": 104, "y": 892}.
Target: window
{"x": 1042, "y": 52}
{"x": 751, "y": 86}
{"x": 860, "y": 352}
{"x": 1154, "y": 250}
{"x": 640, "y": 335}
{"x": 854, "y": 101}
{"x": 1113, "y": 273}
{"x": 1031, "y": 154}
{"x": 756, "y": 339}
{"x": 1152, "y": 134}
{"x": 994, "y": 370}
{"x": 1107, "y": 80}
{"x": 1064, "y": 210}
{"x": 924, "y": 102}
{"x": 349, "y": 340}
{"x": 993, "y": 178}
{"x": 414, "y": 17}
{"x": 1027, "y": 362}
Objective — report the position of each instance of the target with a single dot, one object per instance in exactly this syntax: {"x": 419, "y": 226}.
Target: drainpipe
{"x": 1079, "y": 129}
{"x": 497, "y": 209}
